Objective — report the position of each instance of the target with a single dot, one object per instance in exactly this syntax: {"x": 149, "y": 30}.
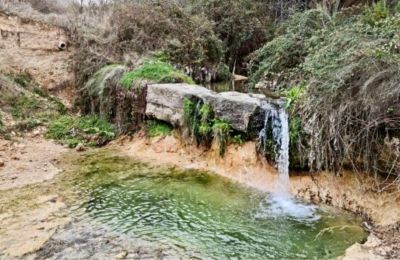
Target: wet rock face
{"x": 243, "y": 111}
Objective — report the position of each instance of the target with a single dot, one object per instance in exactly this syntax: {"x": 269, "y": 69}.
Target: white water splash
{"x": 281, "y": 205}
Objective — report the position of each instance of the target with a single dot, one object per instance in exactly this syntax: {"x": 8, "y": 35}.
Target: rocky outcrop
{"x": 244, "y": 112}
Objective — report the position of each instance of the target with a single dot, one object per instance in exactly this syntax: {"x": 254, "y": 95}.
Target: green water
{"x": 208, "y": 214}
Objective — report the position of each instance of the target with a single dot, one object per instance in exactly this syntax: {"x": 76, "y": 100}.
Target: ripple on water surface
{"x": 211, "y": 215}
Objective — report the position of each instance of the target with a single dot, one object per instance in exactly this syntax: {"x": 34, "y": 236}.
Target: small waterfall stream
{"x": 275, "y": 134}
{"x": 274, "y": 140}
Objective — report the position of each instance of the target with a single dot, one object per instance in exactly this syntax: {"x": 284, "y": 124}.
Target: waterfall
{"x": 275, "y": 135}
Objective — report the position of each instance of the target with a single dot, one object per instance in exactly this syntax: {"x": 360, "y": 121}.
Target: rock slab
{"x": 243, "y": 111}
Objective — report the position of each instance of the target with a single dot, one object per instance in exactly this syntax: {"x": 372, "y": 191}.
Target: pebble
{"x": 2, "y": 163}
{"x": 80, "y": 148}
{"x": 122, "y": 255}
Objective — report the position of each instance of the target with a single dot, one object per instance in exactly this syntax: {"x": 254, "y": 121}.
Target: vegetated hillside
{"x": 341, "y": 75}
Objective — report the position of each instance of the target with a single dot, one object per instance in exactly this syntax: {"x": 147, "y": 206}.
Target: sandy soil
{"x": 28, "y": 161}
{"x": 31, "y": 47}
{"x": 29, "y": 212}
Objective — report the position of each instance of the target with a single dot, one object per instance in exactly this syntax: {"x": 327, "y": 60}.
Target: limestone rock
{"x": 165, "y": 101}
{"x": 243, "y": 111}
{"x": 239, "y": 109}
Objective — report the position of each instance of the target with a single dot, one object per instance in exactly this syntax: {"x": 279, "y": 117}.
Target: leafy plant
{"x": 206, "y": 122}
{"x": 293, "y": 94}
{"x": 24, "y": 106}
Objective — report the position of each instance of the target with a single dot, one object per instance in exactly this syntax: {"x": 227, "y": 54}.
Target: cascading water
{"x": 275, "y": 136}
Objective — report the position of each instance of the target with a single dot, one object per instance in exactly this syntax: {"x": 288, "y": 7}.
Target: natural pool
{"x": 208, "y": 214}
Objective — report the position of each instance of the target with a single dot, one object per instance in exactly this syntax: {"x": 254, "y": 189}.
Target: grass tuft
{"x": 155, "y": 71}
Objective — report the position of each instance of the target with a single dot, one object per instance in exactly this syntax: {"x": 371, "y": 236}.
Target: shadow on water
{"x": 209, "y": 214}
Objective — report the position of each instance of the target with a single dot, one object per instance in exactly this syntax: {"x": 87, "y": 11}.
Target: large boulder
{"x": 165, "y": 101}
{"x": 244, "y": 112}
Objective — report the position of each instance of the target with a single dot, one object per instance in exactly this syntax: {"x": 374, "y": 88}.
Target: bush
{"x": 350, "y": 68}
{"x": 188, "y": 39}
{"x": 242, "y": 25}
{"x": 89, "y": 130}
{"x": 278, "y": 60}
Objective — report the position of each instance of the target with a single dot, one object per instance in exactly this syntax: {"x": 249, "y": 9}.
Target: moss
{"x": 203, "y": 127}
{"x": 154, "y": 71}
{"x": 221, "y": 133}
{"x": 158, "y": 128}
{"x": 206, "y": 123}
{"x": 73, "y": 130}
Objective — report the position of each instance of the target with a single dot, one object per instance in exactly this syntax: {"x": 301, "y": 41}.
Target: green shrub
{"x": 73, "y": 130}
{"x": 377, "y": 12}
{"x": 158, "y": 128}
{"x": 23, "y": 80}
{"x": 223, "y": 72}
{"x": 154, "y": 71}
{"x": 28, "y": 124}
